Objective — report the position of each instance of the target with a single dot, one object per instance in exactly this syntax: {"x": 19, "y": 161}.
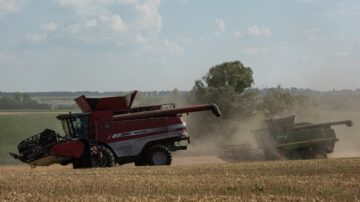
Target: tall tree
{"x": 229, "y": 86}
{"x": 226, "y": 85}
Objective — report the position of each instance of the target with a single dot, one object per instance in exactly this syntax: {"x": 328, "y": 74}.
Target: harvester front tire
{"x": 107, "y": 157}
{"x": 159, "y": 155}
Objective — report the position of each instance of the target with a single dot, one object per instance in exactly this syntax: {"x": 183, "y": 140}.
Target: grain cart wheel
{"x": 106, "y": 157}
{"x": 158, "y": 155}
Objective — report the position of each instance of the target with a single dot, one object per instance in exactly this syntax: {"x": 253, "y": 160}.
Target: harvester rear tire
{"x": 158, "y": 155}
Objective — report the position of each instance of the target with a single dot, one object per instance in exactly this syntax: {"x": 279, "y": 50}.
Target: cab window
{"x": 76, "y": 126}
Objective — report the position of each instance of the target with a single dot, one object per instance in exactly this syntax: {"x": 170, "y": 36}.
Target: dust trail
{"x": 191, "y": 160}
{"x": 349, "y": 138}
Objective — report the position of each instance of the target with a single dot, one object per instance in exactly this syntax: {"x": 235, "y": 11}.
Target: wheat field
{"x": 314, "y": 180}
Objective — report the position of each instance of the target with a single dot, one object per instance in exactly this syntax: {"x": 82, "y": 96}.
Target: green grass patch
{"x": 16, "y": 127}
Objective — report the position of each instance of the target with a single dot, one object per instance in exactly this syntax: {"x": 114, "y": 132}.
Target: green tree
{"x": 229, "y": 86}
{"x": 232, "y": 75}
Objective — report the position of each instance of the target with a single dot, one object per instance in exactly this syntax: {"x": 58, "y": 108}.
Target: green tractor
{"x": 284, "y": 139}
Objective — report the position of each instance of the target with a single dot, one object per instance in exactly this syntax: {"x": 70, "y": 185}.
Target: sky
{"x": 121, "y": 45}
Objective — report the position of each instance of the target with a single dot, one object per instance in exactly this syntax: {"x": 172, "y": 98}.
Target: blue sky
{"x": 111, "y": 45}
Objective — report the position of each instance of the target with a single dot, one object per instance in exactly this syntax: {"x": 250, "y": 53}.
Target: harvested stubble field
{"x": 316, "y": 180}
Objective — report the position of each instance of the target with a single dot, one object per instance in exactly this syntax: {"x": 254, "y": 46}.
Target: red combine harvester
{"x": 109, "y": 131}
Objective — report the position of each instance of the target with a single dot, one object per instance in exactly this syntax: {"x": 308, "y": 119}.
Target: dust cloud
{"x": 207, "y": 150}
{"x": 349, "y": 138}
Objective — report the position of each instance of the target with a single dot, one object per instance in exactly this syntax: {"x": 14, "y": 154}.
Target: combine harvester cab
{"x": 109, "y": 131}
{"x": 285, "y": 139}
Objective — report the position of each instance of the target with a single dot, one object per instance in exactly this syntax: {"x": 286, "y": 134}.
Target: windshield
{"x": 76, "y": 126}
{"x": 66, "y": 127}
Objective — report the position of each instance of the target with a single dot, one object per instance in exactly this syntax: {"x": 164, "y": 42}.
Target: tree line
{"x": 20, "y": 101}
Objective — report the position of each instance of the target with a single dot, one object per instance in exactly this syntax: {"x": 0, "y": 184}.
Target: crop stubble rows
{"x": 325, "y": 180}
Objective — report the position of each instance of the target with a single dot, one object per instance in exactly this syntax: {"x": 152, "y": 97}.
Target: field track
{"x": 314, "y": 180}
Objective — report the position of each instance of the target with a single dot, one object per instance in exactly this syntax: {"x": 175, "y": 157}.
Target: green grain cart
{"x": 284, "y": 139}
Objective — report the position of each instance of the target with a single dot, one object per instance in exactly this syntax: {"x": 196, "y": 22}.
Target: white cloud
{"x": 173, "y": 47}
{"x": 255, "y": 51}
{"x": 99, "y": 24}
{"x": 41, "y": 37}
{"x": 259, "y": 31}
{"x": 37, "y": 38}
{"x": 8, "y": 6}
{"x": 149, "y": 17}
{"x": 114, "y": 22}
{"x": 74, "y": 28}
{"x": 49, "y": 27}
{"x": 86, "y": 7}
{"x": 103, "y": 23}
{"x": 239, "y": 34}
{"x": 220, "y": 24}
{"x": 139, "y": 39}
{"x": 91, "y": 23}
{"x": 253, "y": 31}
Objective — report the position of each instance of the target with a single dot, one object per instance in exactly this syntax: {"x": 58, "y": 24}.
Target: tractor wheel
{"x": 158, "y": 155}
{"x": 106, "y": 157}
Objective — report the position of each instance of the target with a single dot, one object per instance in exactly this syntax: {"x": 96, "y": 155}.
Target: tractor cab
{"x": 75, "y": 126}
